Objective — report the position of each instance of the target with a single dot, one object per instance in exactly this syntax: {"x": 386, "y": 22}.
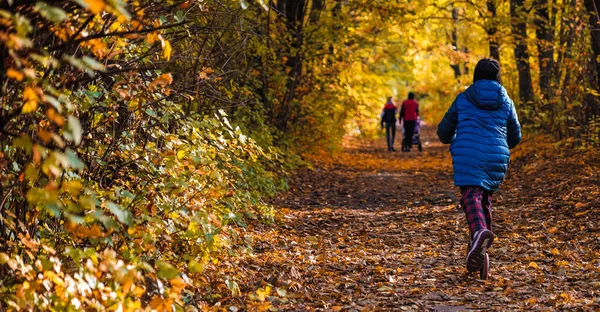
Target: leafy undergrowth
{"x": 370, "y": 230}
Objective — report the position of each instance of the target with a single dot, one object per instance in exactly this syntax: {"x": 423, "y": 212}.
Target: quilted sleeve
{"x": 513, "y": 128}
{"x": 447, "y": 127}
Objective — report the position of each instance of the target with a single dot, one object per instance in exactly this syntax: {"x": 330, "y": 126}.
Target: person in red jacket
{"x": 408, "y": 114}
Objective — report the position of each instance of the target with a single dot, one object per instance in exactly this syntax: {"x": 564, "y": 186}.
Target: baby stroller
{"x": 416, "y": 139}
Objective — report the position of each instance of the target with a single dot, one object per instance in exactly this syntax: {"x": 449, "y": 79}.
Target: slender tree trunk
{"x": 593, "y": 102}
{"x": 545, "y": 44}
{"x": 335, "y": 12}
{"x": 519, "y": 31}
{"x": 454, "y": 41}
{"x": 293, "y": 11}
{"x": 491, "y": 30}
{"x": 466, "y": 64}
{"x": 569, "y": 56}
{"x": 593, "y": 6}
{"x": 315, "y": 10}
{"x": 264, "y": 92}
{"x": 563, "y": 64}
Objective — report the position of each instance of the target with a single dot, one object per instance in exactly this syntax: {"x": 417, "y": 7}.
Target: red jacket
{"x": 409, "y": 110}
{"x": 389, "y": 113}
{"x": 389, "y": 106}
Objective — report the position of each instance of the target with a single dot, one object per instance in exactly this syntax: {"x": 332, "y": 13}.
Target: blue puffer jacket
{"x": 482, "y": 126}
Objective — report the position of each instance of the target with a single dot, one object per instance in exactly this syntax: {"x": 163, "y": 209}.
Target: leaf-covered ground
{"x": 369, "y": 230}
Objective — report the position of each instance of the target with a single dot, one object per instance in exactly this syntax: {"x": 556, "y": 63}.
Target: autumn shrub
{"x": 115, "y": 195}
{"x": 591, "y": 138}
{"x": 132, "y": 239}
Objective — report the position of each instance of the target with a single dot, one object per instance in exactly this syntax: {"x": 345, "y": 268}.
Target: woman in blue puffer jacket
{"x": 481, "y": 126}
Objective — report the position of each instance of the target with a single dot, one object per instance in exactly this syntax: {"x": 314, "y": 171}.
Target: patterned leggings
{"x": 477, "y": 205}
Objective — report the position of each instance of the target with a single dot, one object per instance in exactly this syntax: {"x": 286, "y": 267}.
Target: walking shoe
{"x": 482, "y": 240}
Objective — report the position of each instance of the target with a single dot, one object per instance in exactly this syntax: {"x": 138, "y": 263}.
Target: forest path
{"x": 373, "y": 230}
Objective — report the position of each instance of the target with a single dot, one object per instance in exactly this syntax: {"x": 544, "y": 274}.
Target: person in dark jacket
{"x": 388, "y": 117}
{"x": 409, "y": 112}
{"x": 481, "y": 127}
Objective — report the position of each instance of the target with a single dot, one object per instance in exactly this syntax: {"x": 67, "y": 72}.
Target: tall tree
{"x": 491, "y": 30}
{"x": 454, "y": 41}
{"x": 593, "y": 102}
{"x": 571, "y": 24}
{"x": 293, "y": 11}
{"x": 593, "y": 6}
{"x": 519, "y": 31}
{"x": 545, "y": 34}
{"x": 315, "y": 11}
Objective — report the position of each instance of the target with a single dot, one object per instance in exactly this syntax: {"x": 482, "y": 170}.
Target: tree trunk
{"x": 454, "y": 39}
{"x": 315, "y": 10}
{"x": 593, "y": 6}
{"x": 491, "y": 31}
{"x": 545, "y": 43}
{"x": 466, "y": 64}
{"x": 293, "y": 11}
{"x": 519, "y": 31}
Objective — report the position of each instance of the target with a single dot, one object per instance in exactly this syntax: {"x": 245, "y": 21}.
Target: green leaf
{"x": 93, "y": 64}
{"x": 233, "y": 287}
{"x": 166, "y": 270}
{"x": 53, "y": 14}
{"x": 53, "y": 209}
{"x": 195, "y": 266}
{"x": 75, "y": 218}
{"x": 73, "y": 159}
{"x": 23, "y": 142}
{"x": 31, "y": 172}
{"x": 75, "y": 62}
{"x": 73, "y": 131}
{"x": 53, "y": 101}
{"x": 121, "y": 214}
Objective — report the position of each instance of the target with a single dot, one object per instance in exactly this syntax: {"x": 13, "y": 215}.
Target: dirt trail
{"x": 378, "y": 231}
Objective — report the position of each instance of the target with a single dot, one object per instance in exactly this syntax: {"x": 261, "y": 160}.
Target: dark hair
{"x": 488, "y": 69}
{"x": 411, "y": 95}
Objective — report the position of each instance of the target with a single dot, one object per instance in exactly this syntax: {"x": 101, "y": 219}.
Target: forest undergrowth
{"x": 369, "y": 230}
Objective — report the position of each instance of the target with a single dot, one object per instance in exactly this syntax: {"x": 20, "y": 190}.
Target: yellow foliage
{"x": 166, "y": 46}
{"x": 162, "y": 80}
{"x": 97, "y": 46}
{"x": 31, "y": 98}
{"x": 152, "y": 37}
{"x": 14, "y": 74}
{"x": 96, "y": 6}
{"x": 178, "y": 284}
{"x": 55, "y": 117}
{"x": 533, "y": 265}
{"x": 44, "y": 135}
{"x": 263, "y": 293}
{"x": 161, "y": 305}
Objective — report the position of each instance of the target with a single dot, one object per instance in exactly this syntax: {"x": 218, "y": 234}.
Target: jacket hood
{"x": 389, "y": 106}
{"x": 487, "y": 94}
